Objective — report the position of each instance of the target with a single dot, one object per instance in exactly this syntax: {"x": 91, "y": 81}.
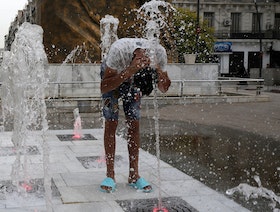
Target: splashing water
{"x": 101, "y": 160}
{"x": 25, "y": 77}
{"x": 108, "y": 29}
{"x": 26, "y": 186}
{"x": 75, "y": 53}
{"x": 77, "y": 125}
{"x": 155, "y": 14}
{"x": 70, "y": 59}
{"x": 155, "y": 20}
{"x": 161, "y": 209}
{"x": 254, "y": 192}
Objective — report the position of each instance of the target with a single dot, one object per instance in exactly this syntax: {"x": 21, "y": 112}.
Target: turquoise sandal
{"x": 108, "y": 182}
{"x": 140, "y": 184}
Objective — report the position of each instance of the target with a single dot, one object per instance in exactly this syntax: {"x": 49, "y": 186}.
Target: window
{"x": 235, "y": 22}
{"x": 277, "y": 21}
{"x": 209, "y": 17}
{"x": 254, "y": 60}
{"x": 255, "y": 22}
{"x": 276, "y": 33}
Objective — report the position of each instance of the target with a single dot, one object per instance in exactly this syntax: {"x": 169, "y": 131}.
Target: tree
{"x": 186, "y": 36}
{"x": 177, "y": 34}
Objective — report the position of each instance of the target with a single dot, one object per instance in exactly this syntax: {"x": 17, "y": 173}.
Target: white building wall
{"x": 223, "y": 9}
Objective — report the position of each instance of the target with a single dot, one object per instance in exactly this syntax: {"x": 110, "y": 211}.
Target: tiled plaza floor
{"x": 77, "y": 167}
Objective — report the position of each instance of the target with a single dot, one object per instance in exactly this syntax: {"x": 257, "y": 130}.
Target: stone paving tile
{"x": 109, "y": 206}
{"x": 29, "y": 209}
{"x": 211, "y": 204}
{"x": 80, "y": 194}
{"x": 24, "y": 202}
{"x": 228, "y": 202}
{"x": 171, "y": 174}
{"x": 55, "y": 168}
{"x": 79, "y": 178}
{"x": 74, "y": 166}
{"x": 97, "y": 162}
{"x": 5, "y": 141}
{"x": 58, "y": 180}
{"x": 7, "y": 160}
{"x": 5, "y": 170}
{"x": 86, "y": 149}
{"x": 61, "y": 156}
{"x": 186, "y": 188}
{"x": 79, "y": 186}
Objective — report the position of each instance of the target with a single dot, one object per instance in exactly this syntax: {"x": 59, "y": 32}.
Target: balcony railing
{"x": 269, "y": 34}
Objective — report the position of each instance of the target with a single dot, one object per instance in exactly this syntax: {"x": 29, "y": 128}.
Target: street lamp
{"x": 197, "y": 28}
{"x": 260, "y": 37}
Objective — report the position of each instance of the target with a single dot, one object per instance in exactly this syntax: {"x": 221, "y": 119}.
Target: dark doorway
{"x": 236, "y": 64}
{"x": 274, "y": 59}
{"x": 254, "y": 60}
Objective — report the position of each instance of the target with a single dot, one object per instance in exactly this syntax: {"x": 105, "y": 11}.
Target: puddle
{"x": 221, "y": 158}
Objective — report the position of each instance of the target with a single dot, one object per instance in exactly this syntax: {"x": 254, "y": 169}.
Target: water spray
{"x": 161, "y": 209}
{"x": 108, "y": 29}
{"x": 77, "y": 125}
{"x": 23, "y": 99}
{"x": 154, "y": 14}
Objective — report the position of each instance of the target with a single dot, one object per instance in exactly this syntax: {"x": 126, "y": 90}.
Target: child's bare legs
{"x": 133, "y": 150}
{"x": 133, "y": 144}
{"x": 110, "y": 148}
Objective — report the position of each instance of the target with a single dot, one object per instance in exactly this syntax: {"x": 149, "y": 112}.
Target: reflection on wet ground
{"x": 221, "y": 158}
{"x": 63, "y": 118}
{"x": 60, "y": 119}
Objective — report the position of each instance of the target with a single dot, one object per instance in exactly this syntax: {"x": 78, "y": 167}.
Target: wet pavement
{"x": 222, "y": 145}
{"x": 75, "y": 186}
{"x": 222, "y": 158}
{"x": 218, "y": 145}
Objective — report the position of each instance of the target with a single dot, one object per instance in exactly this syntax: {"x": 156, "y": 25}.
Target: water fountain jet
{"x": 155, "y": 14}
{"x": 25, "y": 78}
{"x": 77, "y": 125}
{"x": 108, "y": 29}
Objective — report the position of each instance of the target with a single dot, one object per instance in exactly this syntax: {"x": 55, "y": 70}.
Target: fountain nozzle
{"x": 160, "y": 209}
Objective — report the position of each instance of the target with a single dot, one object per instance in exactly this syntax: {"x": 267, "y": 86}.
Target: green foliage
{"x": 178, "y": 35}
{"x": 188, "y": 41}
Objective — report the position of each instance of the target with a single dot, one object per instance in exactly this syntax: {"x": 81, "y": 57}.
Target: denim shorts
{"x": 131, "y": 98}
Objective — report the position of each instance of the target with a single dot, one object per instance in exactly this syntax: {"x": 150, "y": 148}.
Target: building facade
{"x": 1, "y": 55}
{"x": 251, "y": 28}
{"x": 247, "y": 32}
{"x": 27, "y": 14}
{"x": 71, "y": 24}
